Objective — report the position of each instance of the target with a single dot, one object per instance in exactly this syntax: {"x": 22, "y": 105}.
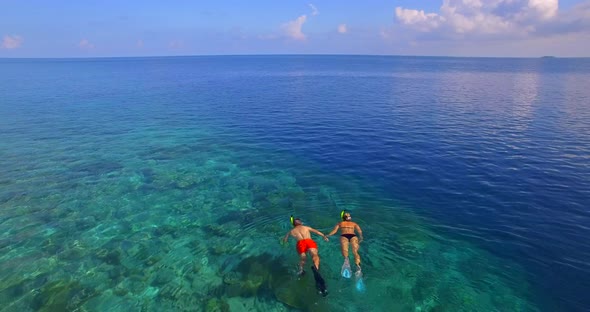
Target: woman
{"x": 348, "y": 237}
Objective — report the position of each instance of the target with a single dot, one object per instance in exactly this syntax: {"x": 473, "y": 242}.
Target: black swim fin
{"x": 320, "y": 284}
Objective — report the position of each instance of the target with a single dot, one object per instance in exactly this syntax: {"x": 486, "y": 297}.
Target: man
{"x": 347, "y": 236}
{"x": 305, "y": 244}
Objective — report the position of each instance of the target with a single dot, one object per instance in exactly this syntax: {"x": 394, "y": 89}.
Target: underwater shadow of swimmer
{"x": 299, "y": 294}
{"x": 267, "y": 275}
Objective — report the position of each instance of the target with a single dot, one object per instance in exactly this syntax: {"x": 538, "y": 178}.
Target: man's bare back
{"x": 303, "y": 232}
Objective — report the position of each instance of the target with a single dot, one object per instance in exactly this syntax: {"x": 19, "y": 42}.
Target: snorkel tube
{"x": 342, "y": 215}
{"x": 292, "y": 221}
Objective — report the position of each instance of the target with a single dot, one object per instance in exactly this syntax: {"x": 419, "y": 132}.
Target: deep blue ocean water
{"x": 165, "y": 183}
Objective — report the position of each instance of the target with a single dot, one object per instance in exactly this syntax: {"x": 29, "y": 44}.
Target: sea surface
{"x": 165, "y": 184}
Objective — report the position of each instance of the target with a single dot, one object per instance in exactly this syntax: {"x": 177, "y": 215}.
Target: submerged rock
{"x": 216, "y": 305}
{"x": 62, "y": 296}
{"x": 112, "y": 257}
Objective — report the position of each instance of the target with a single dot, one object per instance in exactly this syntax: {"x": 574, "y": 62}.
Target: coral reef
{"x": 194, "y": 227}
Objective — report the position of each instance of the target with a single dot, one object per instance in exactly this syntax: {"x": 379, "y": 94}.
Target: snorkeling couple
{"x": 305, "y": 244}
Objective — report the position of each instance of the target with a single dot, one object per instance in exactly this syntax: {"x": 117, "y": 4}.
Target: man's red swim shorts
{"x": 305, "y": 244}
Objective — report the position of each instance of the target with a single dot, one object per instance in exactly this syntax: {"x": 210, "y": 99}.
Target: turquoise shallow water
{"x": 165, "y": 184}
{"x": 124, "y": 222}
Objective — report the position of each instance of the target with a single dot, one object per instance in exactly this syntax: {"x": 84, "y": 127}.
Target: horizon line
{"x": 285, "y": 54}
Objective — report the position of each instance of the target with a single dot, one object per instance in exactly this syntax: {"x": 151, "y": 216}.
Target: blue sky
{"x": 62, "y": 28}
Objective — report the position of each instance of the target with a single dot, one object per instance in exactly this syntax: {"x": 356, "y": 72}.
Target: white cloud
{"x": 85, "y": 45}
{"x": 460, "y": 18}
{"x": 292, "y": 29}
{"x": 342, "y": 28}
{"x": 576, "y": 20}
{"x": 314, "y": 10}
{"x": 176, "y": 44}
{"x": 12, "y": 41}
{"x": 418, "y": 19}
{"x": 545, "y": 8}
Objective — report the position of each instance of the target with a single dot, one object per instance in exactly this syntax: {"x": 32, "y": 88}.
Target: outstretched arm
{"x": 334, "y": 230}
{"x": 319, "y": 233}
{"x": 358, "y": 229}
{"x": 286, "y": 237}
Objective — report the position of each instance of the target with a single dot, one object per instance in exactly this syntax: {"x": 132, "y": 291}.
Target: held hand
{"x": 326, "y": 238}
{"x": 360, "y": 240}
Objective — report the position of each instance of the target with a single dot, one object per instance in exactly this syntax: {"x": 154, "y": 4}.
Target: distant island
{"x": 548, "y": 57}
